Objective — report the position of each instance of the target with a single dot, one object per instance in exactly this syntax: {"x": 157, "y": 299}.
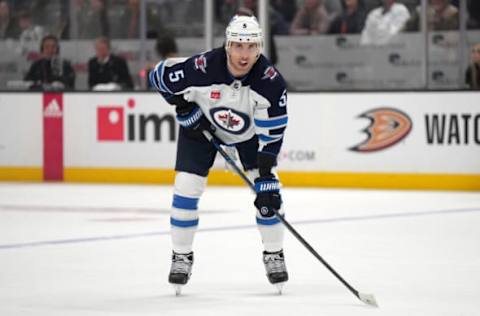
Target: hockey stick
{"x": 366, "y": 298}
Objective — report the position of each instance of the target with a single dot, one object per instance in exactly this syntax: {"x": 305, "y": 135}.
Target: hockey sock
{"x": 184, "y": 214}
{"x": 272, "y": 232}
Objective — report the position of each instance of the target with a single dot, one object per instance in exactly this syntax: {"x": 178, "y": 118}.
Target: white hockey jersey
{"x": 240, "y": 108}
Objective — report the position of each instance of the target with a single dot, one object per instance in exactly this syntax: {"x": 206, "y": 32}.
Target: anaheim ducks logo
{"x": 387, "y": 127}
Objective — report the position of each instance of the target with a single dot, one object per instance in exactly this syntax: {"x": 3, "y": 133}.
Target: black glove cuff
{"x": 265, "y": 163}
{"x": 186, "y": 109}
{"x": 182, "y": 106}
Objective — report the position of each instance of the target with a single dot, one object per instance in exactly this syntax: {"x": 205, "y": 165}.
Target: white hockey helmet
{"x": 244, "y": 29}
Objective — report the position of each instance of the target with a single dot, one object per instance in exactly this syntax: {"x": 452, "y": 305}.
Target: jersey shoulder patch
{"x": 200, "y": 63}
{"x": 270, "y": 73}
{"x": 207, "y": 61}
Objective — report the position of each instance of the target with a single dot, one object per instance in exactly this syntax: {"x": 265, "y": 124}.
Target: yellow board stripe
{"x": 411, "y": 181}
{"x": 114, "y": 175}
{"x": 301, "y": 179}
{"x": 21, "y": 174}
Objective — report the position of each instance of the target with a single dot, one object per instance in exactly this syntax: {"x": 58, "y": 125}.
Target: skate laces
{"x": 181, "y": 263}
{"x": 274, "y": 262}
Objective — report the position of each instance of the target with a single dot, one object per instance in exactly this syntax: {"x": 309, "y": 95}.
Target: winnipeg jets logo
{"x": 230, "y": 120}
{"x": 270, "y": 73}
{"x": 201, "y": 64}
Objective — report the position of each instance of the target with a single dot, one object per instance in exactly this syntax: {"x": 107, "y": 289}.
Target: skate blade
{"x": 178, "y": 289}
{"x": 279, "y": 287}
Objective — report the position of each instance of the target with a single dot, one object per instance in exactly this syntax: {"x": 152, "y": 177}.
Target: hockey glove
{"x": 189, "y": 117}
{"x": 192, "y": 118}
{"x": 268, "y": 195}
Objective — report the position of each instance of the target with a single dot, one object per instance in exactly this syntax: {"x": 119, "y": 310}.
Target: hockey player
{"x": 235, "y": 94}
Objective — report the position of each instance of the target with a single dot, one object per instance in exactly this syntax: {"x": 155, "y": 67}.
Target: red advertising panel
{"x": 53, "y": 136}
{"x": 110, "y": 123}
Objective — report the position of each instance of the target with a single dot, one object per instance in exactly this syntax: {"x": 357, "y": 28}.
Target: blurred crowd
{"x": 119, "y": 19}
{"x": 36, "y": 22}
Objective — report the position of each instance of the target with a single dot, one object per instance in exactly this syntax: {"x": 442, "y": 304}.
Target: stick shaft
{"x": 299, "y": 237}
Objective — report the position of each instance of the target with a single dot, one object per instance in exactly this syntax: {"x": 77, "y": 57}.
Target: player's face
{"x": 242, "y": 57}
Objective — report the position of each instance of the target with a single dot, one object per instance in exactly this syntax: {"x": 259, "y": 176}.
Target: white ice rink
{"x": 105, "y": 250}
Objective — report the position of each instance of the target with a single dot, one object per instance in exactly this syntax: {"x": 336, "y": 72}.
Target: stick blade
{"x": 368, "y": 299}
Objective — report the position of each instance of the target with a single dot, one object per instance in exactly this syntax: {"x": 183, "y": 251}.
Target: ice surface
{"x": 69, "y": 249}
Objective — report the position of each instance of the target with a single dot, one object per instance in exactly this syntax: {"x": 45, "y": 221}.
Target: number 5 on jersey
{"x": 283, "y": 99}
{"x": 176, "y": 76}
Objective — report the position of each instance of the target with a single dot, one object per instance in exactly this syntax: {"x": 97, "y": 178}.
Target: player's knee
{"x": 189, "y": 184}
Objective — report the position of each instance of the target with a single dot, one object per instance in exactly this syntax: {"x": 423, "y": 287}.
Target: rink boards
{"x": 414, "y": 140}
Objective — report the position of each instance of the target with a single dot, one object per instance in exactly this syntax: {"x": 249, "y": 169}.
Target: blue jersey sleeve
{"x": 174, "y": 75}
{"x": 271, "y": 118}
{"x": 170, "y": 77}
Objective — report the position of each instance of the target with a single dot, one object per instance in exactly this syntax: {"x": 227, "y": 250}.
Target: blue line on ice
{"x": 227, "y": 228}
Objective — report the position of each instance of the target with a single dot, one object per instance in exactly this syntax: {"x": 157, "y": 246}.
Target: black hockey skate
{"x": 180, "y": 271}
{"x": 276, "y": 270}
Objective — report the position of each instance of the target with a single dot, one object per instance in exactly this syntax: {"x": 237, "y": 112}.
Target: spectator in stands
{"x": 166, "y": 47}
{"x": 333, "y": 7}
{"x": 311, "y": 19}
{"x": 31, "y": 34}
{"x": 8, "y": 26}
{"x": 52, "y": 15}
{"x": 130, "y": 21}
{"x": 107, "y": 71}
{"x": 134, "y": 23}
{"x": 92, "y": 18}
{"x": 472, "y": 75}
{"x": 286, "y": 8}
{"x": 351, "y": 20}
{"x": 473, "y": 7}
{"x": 155, "y": 20}
{"x": 384, "y": 22}
{"x": 51, "y": 72}
{"x": 441, "y": 16}
{"x": 224, "y": 10}
{"x": 278, "y": 24}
